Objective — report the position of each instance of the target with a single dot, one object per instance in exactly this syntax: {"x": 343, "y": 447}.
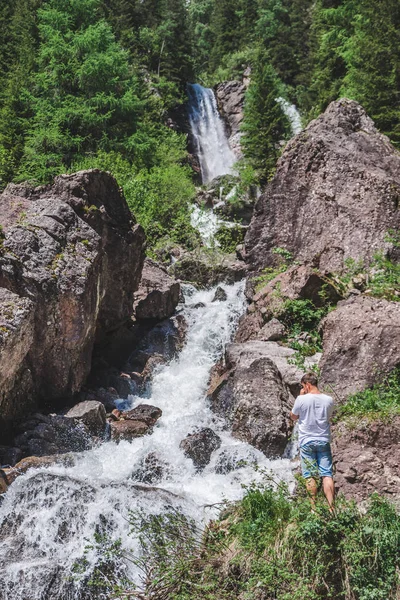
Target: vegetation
{"x": 381, "y": 401}
{"x": 269, "y": 545}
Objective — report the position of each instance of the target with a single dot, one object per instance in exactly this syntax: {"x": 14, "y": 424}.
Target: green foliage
{"x": 381, "y": 401}
{"x": 229, "y": 237}
{"x": 271, "y": 545}
{"x": 264, "y": 124}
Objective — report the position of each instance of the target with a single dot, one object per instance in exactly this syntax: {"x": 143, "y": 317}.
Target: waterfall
{"x": 49, "y": 515}
{"x": 292, "y": 114}
{"x": 208, "y": 129}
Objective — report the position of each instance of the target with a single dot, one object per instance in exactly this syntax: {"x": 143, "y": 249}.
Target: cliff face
{"x": 71, "y": 260}
{"x": 335, "y": 194}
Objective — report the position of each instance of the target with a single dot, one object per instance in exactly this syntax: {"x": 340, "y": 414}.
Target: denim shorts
{"x": 316, "y": 459}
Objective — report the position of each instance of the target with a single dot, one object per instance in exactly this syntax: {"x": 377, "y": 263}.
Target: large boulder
{"x": 128, "y": 430}
{"x": 199, "y": 446}
{"x": 254, "y": 395}
{"x": 91, "y": 413}
{"x": 334, "y": 196}
{"x": 70, "y": 261}
{"x": 361, "y": 340}
{"x": 158, "y": 294}
{"x": 367, "y": 459}
{"x": 205, "y": 270}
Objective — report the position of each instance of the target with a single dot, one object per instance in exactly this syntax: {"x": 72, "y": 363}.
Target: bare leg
{"x": 329, "y": 491}
{"x": 312, "y": 490}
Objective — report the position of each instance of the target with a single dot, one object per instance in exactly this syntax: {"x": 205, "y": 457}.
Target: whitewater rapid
{"x": 50, "y": 515}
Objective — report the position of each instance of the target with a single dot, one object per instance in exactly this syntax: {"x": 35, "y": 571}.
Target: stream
{"x": 50, "y": 516}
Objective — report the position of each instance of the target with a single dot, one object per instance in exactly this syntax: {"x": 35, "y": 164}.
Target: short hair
{"x": 310, "y": 378}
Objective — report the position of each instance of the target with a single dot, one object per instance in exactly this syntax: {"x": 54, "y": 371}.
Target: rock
{"x": 367, "y": 459}
{"x": 33, "y": 462}
{"x": 10, "y": 456}
{"x": 46, "y": 435}
{"x": 254, "y": 394}
{"x": 220, "y": 295}
{"x": 158, "y": 294}
{"x": 128, "y": 430}
{"x": 361, "y": 339}
{"x": 144, "y": 412}
{"x": 230, "y": 97}
{"x": 205, "y": 271}
{"x": 272, "y": 331}
{"x": 70, "y": 263}
{"x": 334, "y": 195}
{"x": 200, "y": 446}
{"x": 300, "y": 282}
{"x": 151, "y": 469}
{"x": 91, "y": 413}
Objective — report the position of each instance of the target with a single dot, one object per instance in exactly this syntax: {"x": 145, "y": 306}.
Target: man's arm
{"x": 294, "y": 410}
{"x": 294, "y": 417}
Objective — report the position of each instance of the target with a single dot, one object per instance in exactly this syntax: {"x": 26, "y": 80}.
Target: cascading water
{"x": 49, "y": 515}
{"x": 292, "y": 114}
{"x": 211, "y": 142}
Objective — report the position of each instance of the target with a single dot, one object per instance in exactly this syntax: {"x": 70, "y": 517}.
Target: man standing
{"x": 313, "y": 410}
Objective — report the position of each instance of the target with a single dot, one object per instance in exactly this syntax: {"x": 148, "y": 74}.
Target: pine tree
{"x": 373, "y": 63}
{"x": 264, "y": 125}
{"x": 83, "y": 94}
{"x": 225, "y": 27}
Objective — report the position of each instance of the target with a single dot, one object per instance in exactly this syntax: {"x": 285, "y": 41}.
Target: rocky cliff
{"x": 335, "y": 194}
{"x": 311, "y": 248}
{"x": 71, "y": 260}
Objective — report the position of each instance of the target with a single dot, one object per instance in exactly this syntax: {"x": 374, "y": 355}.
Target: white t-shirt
{"x": 314, "y": 412}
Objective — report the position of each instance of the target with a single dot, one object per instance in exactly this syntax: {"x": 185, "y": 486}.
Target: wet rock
{"x": 144, "y": 412}
{"x": 255, "y": 394}
{"x": 46, "y": 435}
{"x": 220, "y": 295}
{"x": 33, "y": 462}
{"x": 205, "y": 271}
{"x": 334, "y": 195}
{"x": 361, "y": 340}
{"x": 158, "y": 294}
{"x": 74, "y": 250}
{"x": 128, "y": 430}
{"x": 90, "y": 413}
{"x": 367, "y": 459}
{"x": 152, "y": 469}
{"x": 200, "y": 446}
{"x": 272, "y": 331}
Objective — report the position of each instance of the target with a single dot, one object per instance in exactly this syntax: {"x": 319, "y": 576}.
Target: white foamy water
{"x": 49, "y": 515}
{"x": 292, "y": 114}
{"x": 211, "y": 143}
{"x": 207, "y": 222}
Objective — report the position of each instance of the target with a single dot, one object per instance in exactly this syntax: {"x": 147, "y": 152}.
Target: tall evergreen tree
{"x": 225, "y": 26}
{"x": 373, "y": 63}
{"x": 83, "y": 94}
{"x": 264, "y": 125}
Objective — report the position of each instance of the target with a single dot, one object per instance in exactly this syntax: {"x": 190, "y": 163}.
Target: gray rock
{"x": 361, "y": 340}
{"x": 74, "y": 250}
{"x": 230, "y": 98}
{"x": 200, "y": 446}
{"x": 91, "y": 413}
{"x": 158, "y": 294}
{"x": 334, "y": 195}
{"x": 205, "y": 271}
{"x": 254, "y": 396}
{"x": 220, "y": 295}
{"x": 272, "y": 331}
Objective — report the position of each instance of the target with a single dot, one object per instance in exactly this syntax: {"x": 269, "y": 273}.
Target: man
{"x": 313, "y": 410}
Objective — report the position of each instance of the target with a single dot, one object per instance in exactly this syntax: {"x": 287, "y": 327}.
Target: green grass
{"x": 381, "y": 401}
